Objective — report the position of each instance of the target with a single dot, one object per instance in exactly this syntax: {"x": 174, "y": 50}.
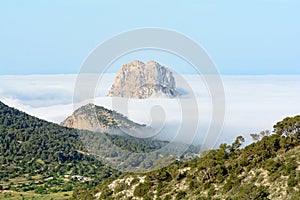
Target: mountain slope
{"x": 31, "y": 147}
{"x": 266, "y": 169}
{"x": 45, "y": 157}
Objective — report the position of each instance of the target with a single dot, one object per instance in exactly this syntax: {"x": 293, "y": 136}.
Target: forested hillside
{"x": 266, "y": 169}
{"x": 39, "y": 156}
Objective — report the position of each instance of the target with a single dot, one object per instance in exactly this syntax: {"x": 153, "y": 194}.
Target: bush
{"x": 272, "y": 166}
{"x": 292, "y": 182}
{"x": 134, "y": 181}
{"x": 147, "y": 197}
{"x": 193, "y": 185}
{"x": 206, "y": 185}
{"x": 232, "y": 182}
{"x": 181, "y": 195}
{"x": 251, "y": 191}
{"x": 211, "y": 192}
{"x": 105, "y": 193}
{"x": 120, "y": 187}
{"x": 168, "y": 197}
{"x": 142, "y": 189}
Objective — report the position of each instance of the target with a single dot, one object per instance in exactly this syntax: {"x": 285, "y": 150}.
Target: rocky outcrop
{"x": 99, "y": 119}
{"x": 140, "y": 80}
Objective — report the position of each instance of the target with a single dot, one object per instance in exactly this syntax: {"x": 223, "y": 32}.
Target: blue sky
{"x": 242, "y": 37}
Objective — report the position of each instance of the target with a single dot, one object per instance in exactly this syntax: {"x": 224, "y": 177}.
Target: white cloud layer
{"x": 253, "y": 103}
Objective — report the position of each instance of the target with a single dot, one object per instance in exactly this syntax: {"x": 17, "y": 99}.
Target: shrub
{"x": 168, "y": 197}
{"x": 292, "y": 182}
{"x": 142, "y": 189}
{"x": 251, "y": 191}
{"x": 211, "y": 192}
{"x": 181, "y": 195}
{"x": 120, "y": 187}
{"x": 134, "y": 181}
{"x": 106, "y": 192}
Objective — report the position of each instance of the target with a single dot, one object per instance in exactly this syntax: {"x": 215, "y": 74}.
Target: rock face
{"x": 99, "y": 119}
{"x": 140, "y": 80}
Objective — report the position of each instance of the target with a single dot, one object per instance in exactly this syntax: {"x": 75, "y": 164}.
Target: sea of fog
{"x": 253, "y": 103}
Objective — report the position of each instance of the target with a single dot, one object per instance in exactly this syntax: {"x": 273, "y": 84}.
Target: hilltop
{"x": 99, "y": 119}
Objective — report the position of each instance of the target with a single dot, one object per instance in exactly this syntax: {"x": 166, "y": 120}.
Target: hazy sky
{"x": 242, "y": 37}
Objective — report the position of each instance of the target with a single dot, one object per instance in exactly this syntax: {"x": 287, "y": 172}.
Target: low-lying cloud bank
{"x": 253, "y": 103}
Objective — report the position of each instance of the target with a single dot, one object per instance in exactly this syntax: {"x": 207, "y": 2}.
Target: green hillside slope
{"x": 42, "y": 157}
{"x": 266, "y": 169}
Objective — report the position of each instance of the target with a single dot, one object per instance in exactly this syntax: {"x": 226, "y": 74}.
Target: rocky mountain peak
{"x": 99, "y": 119}
{"x": 139, "y": 80}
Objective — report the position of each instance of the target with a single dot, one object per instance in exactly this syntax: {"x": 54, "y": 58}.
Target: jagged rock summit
{"x": 140, "y": 81}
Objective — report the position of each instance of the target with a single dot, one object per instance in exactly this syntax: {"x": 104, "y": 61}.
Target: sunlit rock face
{"x": 139, "y": 80}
